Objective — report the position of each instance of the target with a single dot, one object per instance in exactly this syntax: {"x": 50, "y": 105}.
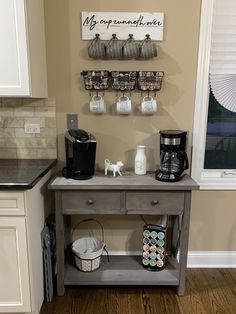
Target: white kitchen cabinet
{"x": 22, "y": 216}
{"x": 23, "y": 69}
{"x": 14, "y": 287}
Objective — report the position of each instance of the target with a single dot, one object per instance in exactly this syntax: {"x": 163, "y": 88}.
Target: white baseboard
{"x": 199, "y": 259}
{"x": 211, "y": 259}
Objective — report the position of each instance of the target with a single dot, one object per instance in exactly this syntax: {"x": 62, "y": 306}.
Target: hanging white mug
{"x": 148, "y": 105}
{"x": 124, "y": 105}
{"x": 97, "y": 104}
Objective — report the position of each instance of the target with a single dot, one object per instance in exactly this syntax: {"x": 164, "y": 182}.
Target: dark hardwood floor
{"x": 207, "y": 291}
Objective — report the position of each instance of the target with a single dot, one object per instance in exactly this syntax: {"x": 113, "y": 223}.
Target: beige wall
{"x": 118, "y": 136}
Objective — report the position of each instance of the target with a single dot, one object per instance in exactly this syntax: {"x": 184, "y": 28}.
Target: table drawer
{"x": 12, "y": 204}
{"x": 155, "y": 202}
{"x": 90, "y": 202}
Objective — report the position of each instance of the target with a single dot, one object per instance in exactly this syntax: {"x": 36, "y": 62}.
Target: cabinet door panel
{"x": 14, "y": 273}
{"x": 12, "y": 204}
{"x": 14, "y": 75}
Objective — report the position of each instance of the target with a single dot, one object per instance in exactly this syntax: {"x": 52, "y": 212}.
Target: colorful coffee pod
{"x": 145, "y": 240}
{"x": 145, "y": 261}
{"x": 160, "y": 256}
{"x": 154, "y": 234}
{"x": 146, "y": 233}
{"x": 146, "y": 247}
{"x": 153, "y": 255}
{"x": 160, "y": 263}
{"x": 160, "y": 249}
{"x": 152, "y": 262}
{"x": 153, "y": 241}
{"x": 161, "y": 235}
{"x": 153, "y": 248}
{"x": 160, "y": 242}
{"x": 146, "y": 254}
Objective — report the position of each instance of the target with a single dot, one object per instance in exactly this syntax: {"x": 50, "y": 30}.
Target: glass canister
{"x": 140, "y": 160}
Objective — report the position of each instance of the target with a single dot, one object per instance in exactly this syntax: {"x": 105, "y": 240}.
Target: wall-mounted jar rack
{"x": 123, "y": 80}
{"x": 150, "y": 80}
{"x": 95, "y": 80}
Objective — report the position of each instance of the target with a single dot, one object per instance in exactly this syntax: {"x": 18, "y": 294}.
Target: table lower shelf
{"x": 123, "y": 270}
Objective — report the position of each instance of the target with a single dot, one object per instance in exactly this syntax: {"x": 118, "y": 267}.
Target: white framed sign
{"x": 122, "y": 24}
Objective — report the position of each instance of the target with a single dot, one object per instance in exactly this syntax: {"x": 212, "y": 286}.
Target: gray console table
{"x": 126, "y": 195}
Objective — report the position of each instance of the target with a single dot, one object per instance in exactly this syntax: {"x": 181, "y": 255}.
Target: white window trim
{"x": 207, "y": 179}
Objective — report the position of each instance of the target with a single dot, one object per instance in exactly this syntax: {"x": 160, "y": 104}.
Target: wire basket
{"x": 88, "y": 250}
{"x": 150, "y": 80}
{"x": 95, "y": 80}
{"x": 123, "y": 80}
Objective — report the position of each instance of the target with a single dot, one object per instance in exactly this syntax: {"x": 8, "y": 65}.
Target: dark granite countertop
{"x": 21, "y": 174}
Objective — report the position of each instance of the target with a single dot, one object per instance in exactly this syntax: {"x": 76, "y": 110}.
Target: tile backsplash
{"x": 14, "y": 142}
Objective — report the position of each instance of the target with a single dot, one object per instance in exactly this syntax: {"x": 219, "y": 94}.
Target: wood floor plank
{"x": 208, "y": 291}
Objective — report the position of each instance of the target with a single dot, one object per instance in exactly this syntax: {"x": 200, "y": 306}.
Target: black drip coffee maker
{"x": 173, "y": 158}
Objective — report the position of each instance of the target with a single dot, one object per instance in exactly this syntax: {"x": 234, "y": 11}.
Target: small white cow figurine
{"x": 113, "y": 167}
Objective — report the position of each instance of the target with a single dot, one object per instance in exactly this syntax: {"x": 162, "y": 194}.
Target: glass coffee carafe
{"x": 173, "y": 158}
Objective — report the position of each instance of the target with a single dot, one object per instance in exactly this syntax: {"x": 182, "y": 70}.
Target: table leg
{"x": 59, "y": 244}
{"x": 175, "y": 239}
{"x": 183, "y": 250}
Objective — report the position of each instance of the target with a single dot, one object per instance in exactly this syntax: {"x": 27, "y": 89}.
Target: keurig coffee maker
{"x": 173, "y": 158}
{"x": 80, "y": 154}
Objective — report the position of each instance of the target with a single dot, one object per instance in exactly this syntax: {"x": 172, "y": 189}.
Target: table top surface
{"x": 21, "y": 174}
{"x": 128, "y": 181}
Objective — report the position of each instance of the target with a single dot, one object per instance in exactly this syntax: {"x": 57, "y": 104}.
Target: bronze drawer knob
{"x": 90, "y": 202}
{"x": 154, "y": 202}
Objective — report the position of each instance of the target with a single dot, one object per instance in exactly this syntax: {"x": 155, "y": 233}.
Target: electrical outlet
{"x": 72, "y": 121}
{"x": 32, "y": 128}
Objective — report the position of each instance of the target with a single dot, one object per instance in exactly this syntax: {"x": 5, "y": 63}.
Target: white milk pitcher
{"x": 140, "y": 160}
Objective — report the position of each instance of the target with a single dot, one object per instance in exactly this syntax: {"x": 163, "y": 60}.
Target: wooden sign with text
{"x": 122, "y": 24}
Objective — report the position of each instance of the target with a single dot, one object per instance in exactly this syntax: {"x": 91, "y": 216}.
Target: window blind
{"x": 223, "y": 53}
{"x": 220, "y": 149}
{"x": 223, "y": 46}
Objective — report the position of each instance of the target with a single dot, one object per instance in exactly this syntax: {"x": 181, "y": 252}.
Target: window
{"x": 214, "y": 132}
{"x": 220, "y": 148}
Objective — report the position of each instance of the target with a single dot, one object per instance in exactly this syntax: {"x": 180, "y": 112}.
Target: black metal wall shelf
{"x": 150, "y": 81}
{"x": 95, "y": 80}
